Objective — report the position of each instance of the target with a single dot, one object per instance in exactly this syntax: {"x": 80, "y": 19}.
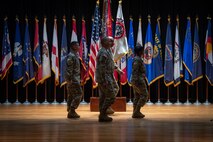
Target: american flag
{"x": 6, "y": 51}
{"x": 94, "y": 47}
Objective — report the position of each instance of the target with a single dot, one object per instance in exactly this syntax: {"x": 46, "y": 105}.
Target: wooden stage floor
{"x": 48, "y": 123}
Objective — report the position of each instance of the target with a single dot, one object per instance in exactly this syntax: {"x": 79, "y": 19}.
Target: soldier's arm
{"x": 103, "y": 68}
{"x": 143, "y": 70}
{"x": 118, "y": 69}
{"x": 69, "y": 68}
{"x": 135, "y": 69}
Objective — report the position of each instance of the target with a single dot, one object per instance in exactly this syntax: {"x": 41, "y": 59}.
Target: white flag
{"x": 121, "y": 45}
{"x": 46, "y": 72}
{"x": 139, "y": 36}
{"x": 55, "y": 60}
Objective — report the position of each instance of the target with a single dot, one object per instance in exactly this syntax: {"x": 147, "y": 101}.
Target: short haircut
{"x": 138, "y": 49}
{"x": 73, "y": 43}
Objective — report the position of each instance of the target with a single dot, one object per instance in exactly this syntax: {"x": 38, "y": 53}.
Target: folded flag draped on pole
{"x": 74, "y": 36}
{"x": 94, "y": 46}
{"x": 130, "y": 55}
{"x": 148, "y": 52}
{"x": 177, "y": 56}
{"x": 64, "y": 53}
{"x": 121, "y": 46}
{"x": 46, "y": 72}
{"x": 28, "y": 61}
{"x": 55, "y": 60}
{"x": 107, "y": 19}
{"x": 139, "y": 36}
{"x": 187, "y": 54}
{"x": 168, "y": 63}
{"x": 18, "y": 56}
{"x": 157, "y": 63}
{"x": 6, "y": 51}
{"x": 37, "y": 55}
{"x": 197, "y": 67}
{"x": 84, "y": 54}
{"x": 208, "y": 54}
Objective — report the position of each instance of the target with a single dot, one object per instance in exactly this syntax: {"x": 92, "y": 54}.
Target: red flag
{"x": 37, "y": 54}
{"x": 74, "y": 30}
{"x": 84, "y": 54}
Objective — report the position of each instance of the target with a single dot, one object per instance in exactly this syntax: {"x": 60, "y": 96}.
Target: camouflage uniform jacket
{"x": 138, "y": 69}
{"x": 105, "y": 66}
{"x": 72, "y": 74}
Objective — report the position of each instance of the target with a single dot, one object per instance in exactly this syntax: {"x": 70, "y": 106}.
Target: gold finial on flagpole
{"x": 149, "y": 18}
{"x": 158, "y": 18}
{"x": 177, "y": 18}
{"x": 169, "y": 18}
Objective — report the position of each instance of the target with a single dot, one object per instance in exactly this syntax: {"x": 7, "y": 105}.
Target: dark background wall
{"x": 85, "y": 8}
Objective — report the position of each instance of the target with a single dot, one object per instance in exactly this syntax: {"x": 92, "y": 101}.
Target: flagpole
{"x": 17, "y": 102}
{"x": 64, "y": 102}
{"x": 54, "y": 102}
{"x": 45, "y": 92}
{"x": 197, "y": 98}
{"x": 83, "y": 101}
{"x": 178, "y": 100}
{"x": 26, "y": 102}
{"x": 6, "y": 101}
{"x": 158, "y": 102}
{"x": 168, "y": 92}
{"x": 130, "y": 96}
{"x": 149, "y": 102}
{"x": 187, "y": 96}
{"x": 207, "y": 92}
{"x": 120, "y": 90}
{"x": 36, "y": 94}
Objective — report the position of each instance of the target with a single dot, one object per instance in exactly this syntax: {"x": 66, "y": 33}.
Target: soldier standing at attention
{"x": 72, "y": 76}
{"x": 108, "y": 87}
{"x": 138, "y": 83}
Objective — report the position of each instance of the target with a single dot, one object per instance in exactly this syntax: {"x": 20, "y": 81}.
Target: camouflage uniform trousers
{"x": 74, "y": 95}
{"x": 140, "y": 94}
{"x": 107, "y": 95}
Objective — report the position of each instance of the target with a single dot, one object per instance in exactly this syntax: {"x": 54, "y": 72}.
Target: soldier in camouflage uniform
{"x": 138, "y": 83}
{"x": 108, "y": 87}
{"x": 72, "y": 76}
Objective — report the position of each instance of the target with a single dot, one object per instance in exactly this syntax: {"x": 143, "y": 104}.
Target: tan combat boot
{"x": 72, "y": 114}
{"x": 104, "y": 118}
{"x": 137, "y": 113}
{"x": 110, "y": 110}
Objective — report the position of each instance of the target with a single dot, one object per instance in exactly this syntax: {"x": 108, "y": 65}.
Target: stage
{"x": 48, "y": 123}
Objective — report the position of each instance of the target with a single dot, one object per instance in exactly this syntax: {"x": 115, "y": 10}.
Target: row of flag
{"x": 36, "y": 66}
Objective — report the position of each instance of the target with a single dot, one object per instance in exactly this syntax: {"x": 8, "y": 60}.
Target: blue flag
{"x": 6, "y": 51}
{"x": 157, "y": 64}
{"x": 197, "y": 67}
{"x": 148, "y": 53}
{"x": 18, "y": 56}
{"x": 28, "y": 62}
{"x": 168, "y": 63}
{"x": 130, "y": 55}
{"x": 64, "y": 52}
{"x": 187, "y": 54}
{"x": 209, "y": 54}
